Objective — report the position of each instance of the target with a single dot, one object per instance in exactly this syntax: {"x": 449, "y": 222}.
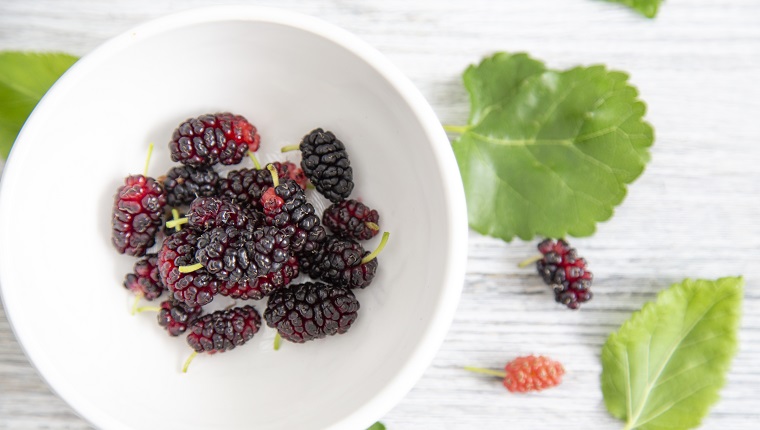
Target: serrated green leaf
{"x": 24, "y": 78}
{"x": 377, "y": 426}
{"x": 664, "y": 366}
{"x": 545, "y": 152}
{"x": 487, "y": 93}
{"x": 647, "y": 8}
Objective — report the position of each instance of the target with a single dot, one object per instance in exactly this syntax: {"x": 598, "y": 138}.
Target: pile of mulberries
{"x": 202, "y": 232}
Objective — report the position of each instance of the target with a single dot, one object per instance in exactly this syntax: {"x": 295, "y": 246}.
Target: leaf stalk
{"x": 458, "y": 129}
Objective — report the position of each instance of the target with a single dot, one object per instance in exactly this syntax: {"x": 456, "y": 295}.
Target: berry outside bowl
{"x": 62, "y": 279}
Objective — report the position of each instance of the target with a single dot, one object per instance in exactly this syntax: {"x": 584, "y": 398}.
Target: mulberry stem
{"x": 486, "y": 371}
{"x": 190, "y": 269}
{"x": 529, "y": 261}
{"x": 290, "y": 148}
{"x": 175, "y": 223}
{"x": 273, "y": 171}
{"x": 377, "y": 250}
{"x": 277, "y": 341}
{"x": 175, "y": 217}
{"x": 148, "y": 309}
{"x": 134, "y": 304}
{"x": 147, "y": 160}
{"x": 255, "y": 160}
{"x": 188, "y": 361}
{"x": 371, "y": 225}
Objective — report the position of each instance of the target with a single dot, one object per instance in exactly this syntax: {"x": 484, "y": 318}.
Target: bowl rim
{"x": 454, "y": 271}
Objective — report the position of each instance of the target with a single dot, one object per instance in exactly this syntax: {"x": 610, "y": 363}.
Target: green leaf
{"x": 24, "y": 78}
{"x": 488, "y": 93}
{"x": 377, "y": 426}
{"x": 664, "y": 367}
{"x": 647, "y": 8}
{"x": 548, "y": 152}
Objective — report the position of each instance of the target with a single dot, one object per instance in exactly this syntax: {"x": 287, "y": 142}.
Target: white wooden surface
{"x": 694, "y": 213}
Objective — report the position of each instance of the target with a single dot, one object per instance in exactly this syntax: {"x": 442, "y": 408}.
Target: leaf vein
{"x": 672, "y": 403}
{"x": 496, "y": 174}
{"x": 672, "y": 351}
{"x": 684, "y": 370}
{"x": 629, "y": 384}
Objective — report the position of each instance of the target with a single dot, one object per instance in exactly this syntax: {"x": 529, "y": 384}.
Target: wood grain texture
{"x": 694, "y": 212}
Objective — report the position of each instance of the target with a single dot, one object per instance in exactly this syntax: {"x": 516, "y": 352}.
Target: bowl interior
{"x": 61, "y": 278}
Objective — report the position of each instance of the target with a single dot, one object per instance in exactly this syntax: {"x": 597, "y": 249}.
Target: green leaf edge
{"x": 637, "y": 100}
{"x": 6, "y": 148}
{"x": 649, "y": 12}
{"x": 496, "y": 56}
{"x": 645, "y": 312}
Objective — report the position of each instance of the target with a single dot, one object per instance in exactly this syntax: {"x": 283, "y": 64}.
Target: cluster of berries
{"x": 246, "y": 236}
{"x": 565, "y": 271}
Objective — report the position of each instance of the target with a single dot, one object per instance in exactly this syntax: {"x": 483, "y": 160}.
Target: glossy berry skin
{"x": 175, "y": 316}
{"x": 214, "y": 138}
{"x": 565, "y": 272}
{"x": 183, "y": 184}
{"x": 195, "y": 288}
{"x": 325, "y": 162}
{"x": 338, "y": 262}
{"x": 137, "y": 215}
{"x": 223, "y": 330}
{"x": 209, "y": 212}
{"x": 261, "y": 286}
{"x": 349, "y": 217}
{"x": 293, "y": 172}
{"x": 532, "y": 373}
{"x": 312, "y": 310}
{"x": 246, "y": 186}
{"x": 146, "y": 280}
{"x": 236, "y": 254}
{"x": 286, "y": 208}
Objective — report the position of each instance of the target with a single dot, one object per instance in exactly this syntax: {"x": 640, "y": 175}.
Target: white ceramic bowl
{"x": 61, "y": 278}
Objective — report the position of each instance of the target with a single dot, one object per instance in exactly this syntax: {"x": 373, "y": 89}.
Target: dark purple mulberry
{"x": 325, "y": 162}
{"x": 175, "y": 316}
{"x": 262, "y": 286}
{"x": 246, "y": 186}
{"x": 194, "y": 288}
{"x": 339, "y": 262}
{"x": 137, "y": 215}
{"x": 236, "y": 254}
{"x": 565, "y": 272}
{"x": 209, "y": 212}
{"x": 352, "y": 219}
{"x": 212, "y": 138}
{"x": 311, "y": 310}
{"x": 146, "y": 280}
{"x": 286, "y": 208}
{"x": 183, "y": 184}
{"x": 223, "y": 330}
